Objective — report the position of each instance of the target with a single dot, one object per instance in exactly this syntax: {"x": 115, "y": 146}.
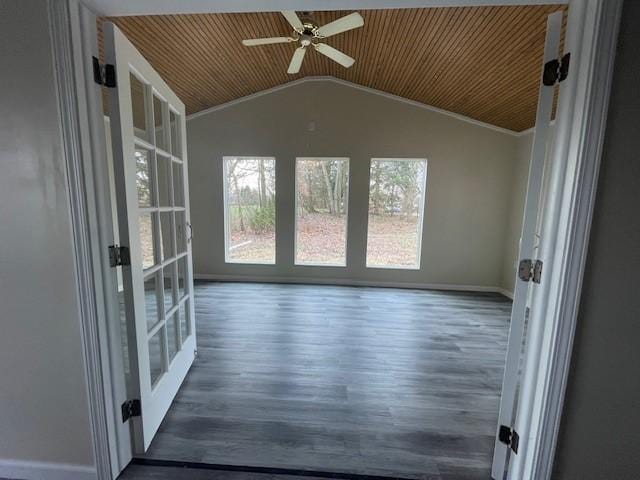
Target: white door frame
{"x": 582, "y": 111}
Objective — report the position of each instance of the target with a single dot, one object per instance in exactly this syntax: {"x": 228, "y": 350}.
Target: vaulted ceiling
{"x": 481, "y": 62}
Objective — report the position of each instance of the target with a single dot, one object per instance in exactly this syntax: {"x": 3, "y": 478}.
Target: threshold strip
{"x": 151, "y": 462}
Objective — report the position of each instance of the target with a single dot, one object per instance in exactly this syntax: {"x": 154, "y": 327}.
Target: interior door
{"x": 150, "y": 165}
{"x": 529, "y": 242}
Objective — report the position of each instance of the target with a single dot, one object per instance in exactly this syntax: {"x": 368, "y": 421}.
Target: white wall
{"x": 44, "y": 419}
{"x": 600, "y": 433}
{"x": 470, "y": 170}
{"x": 519, "y": 180}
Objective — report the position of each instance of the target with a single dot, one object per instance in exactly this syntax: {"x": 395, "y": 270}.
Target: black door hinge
{"x": 530, "y": 270}
{"x": 130, "y": 408}
{"x": 119, "y": 256}
{"x": 509, "y": 437}
{"x": 104, "y": 74}
{"x": 556, "y": 70}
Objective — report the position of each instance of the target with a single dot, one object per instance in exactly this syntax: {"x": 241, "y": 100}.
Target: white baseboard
{"x": 350, "y": 282}
{"x": 24, "y": 470}
{"x": 506, "y": 293}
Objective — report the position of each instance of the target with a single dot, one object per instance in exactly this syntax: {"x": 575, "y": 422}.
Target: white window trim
{"x": 227, "y": 229}
{"x": 422, "y": 206}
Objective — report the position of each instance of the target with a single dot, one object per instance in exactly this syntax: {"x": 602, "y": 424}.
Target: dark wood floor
{"x": 373, "y": 381}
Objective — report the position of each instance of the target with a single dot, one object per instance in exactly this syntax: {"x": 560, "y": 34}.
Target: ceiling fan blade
{"x": 296, "y": 60}
{"x": 343, "y": 24}
{"x": 266, "y": 41}
{"x": 293, "y": 20}
{"x": 335, "y": 55}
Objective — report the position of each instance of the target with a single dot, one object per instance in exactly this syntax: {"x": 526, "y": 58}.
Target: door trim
{"x": 592, "y": 36}
{"x": 76, "y": 149}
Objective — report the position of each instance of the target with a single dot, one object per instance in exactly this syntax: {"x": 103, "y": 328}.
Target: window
{"x": 322, "y": 186}
{"x": 250, "y": 209}
{"x": 396, "y": 203}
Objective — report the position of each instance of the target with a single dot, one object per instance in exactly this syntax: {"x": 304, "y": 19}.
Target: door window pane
{"x": 182, "y": 275}
{"x": 139, "y": 107}
{"x": 148, "y": 229}
{"x": 250, "y": 209}
{"x": 181, "y": 232}
{"x": 164, "y": 180}
{"x": 178, "y": 187}
{"x": 396, "y": 202}
{"x": 166, "y": 235}
{"x": 151, "y": 311}
{"x": 158, "y": 119}
{"x": 143, "y": 177}
{"x": 168, "y": 280}
{"x": 155, "y": 356}
{"x": 184, "y": 319}
{"x": 176, "y": 147}
{"x": 173, "y": 326}
{"x": 321, "y": 211}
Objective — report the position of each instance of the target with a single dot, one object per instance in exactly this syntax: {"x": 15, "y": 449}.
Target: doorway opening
{"x": 161, "y": 234}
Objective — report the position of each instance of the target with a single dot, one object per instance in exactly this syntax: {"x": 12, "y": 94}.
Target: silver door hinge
{"x": 530, "y": 270}
{"x": 104, "y": 74}
{"x": 556, "y": 70}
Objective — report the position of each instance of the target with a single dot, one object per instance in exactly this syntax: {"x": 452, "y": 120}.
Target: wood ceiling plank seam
{"x": 480, "y": 73}
{"x": 282, "y": 52}
{"x": 261, "y": 78}
{"x": 519, "y": 73}
{"x": 508, "y": 72}
{"x": 276, "y": 23}
{"x": 206, "y": 51}
{"x": 381, "y": 52}
{"x": 465, "y": 76}
{"x": 368, "y": 60}
{"x": 376, "y": 47}
{"x": 424, "y": 54}
{"x": 459, "y": 56}
{"x": 514, "y": 68}
{"x": 403, "y": 19}
{"x": 430, "y": 17}
{"x": 357, "y": 76}
{"x": 138, "y": 34}
{"x": 255, "y": 22}
{"x": 452, "y": 46}
{"x": 220, "y": 28}
{"x": 193, "y": 78}
{"x": 370, "y": 29}
{"x": 251, "y": 79}
{"x": 388, "y": 73}
{"x": 506, "y": 106}
{"x": 435, "y": 49}
{"x": 226, "y": 63}
{"x": 229, "y": 68}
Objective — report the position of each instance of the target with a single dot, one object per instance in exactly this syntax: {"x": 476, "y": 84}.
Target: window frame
{"x": 225, "y": 198}
{"x": 421, "y": 206}
{"x": 295, "y": 214}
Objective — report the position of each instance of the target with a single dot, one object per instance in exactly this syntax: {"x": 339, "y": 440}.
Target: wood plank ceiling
{"x": 482, "y": 62}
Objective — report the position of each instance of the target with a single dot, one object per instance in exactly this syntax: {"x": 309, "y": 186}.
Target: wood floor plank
{"x": 374, "y": 381}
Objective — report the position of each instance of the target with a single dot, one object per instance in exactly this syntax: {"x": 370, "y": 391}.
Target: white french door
{"x": 507, "y": 442}
{"x": 150, "y": 164}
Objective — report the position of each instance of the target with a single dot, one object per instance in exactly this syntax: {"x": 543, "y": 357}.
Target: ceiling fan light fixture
{"x": 307, "y": 33}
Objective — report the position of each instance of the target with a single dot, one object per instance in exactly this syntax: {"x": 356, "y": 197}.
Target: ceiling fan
{"x": 309, "y": 34}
